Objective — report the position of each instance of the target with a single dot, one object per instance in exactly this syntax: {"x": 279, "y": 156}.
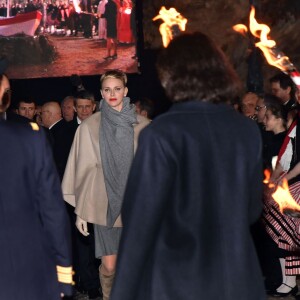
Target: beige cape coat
{"x": 83, "y": 182}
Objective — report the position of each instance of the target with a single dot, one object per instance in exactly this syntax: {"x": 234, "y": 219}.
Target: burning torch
{"x": 278, "y": 59}
{"x": 174, "y": 23}
{"x": 273, "y": 55}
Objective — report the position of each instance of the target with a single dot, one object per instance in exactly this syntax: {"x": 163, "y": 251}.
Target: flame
{"x": 282, "y": 194}
{"x": 284, "y": 199}
{"x": 241, "y": 28}
{"x": 267, "y": 174}
{"x": 268, "y": 46}
{"x": 171, "y": 17}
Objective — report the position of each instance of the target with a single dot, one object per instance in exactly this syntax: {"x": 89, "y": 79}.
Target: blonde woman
{"x": 98, "y": 167}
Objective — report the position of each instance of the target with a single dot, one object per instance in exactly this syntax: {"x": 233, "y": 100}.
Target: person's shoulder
{"x": 21, "y": 130}
{"x": 91, "y": 120}
{"x": 16, "y": 118}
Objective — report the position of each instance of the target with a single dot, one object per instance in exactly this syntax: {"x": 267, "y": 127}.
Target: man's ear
{"x": 144, "y": 113}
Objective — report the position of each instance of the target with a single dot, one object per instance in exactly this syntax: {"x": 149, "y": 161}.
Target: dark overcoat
{"x": 34, "y": 231}
{"x": 62, "y": 137}
{"x": 193, "y": 191}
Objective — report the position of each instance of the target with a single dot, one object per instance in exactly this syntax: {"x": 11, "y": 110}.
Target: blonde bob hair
{"x": 117, "y": 74}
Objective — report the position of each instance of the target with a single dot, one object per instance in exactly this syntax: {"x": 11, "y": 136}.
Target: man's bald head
{"x": 51, "y": 113}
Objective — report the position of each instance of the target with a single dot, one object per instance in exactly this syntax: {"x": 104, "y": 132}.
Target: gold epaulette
{"x": 34, "y": 126}
{"x": 65, "y": 274}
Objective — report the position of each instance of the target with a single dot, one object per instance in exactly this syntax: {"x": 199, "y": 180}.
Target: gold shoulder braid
{"x": 65, "y": 274}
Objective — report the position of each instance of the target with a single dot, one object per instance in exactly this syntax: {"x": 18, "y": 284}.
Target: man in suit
{"x": 84, "y": 105}
{"x": 187, "y": 218}
{"x": 283, "y": 87}
{"x": 35, "y": 241}
{"x": 67, "y": 108}
{"x": 60, "y": 133}
{"x": 85, "y": 263}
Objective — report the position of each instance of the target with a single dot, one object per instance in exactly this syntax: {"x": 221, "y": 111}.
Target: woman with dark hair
{"x": 194, "y": 188}
{"x": 97, "y": 170}
{"x": 283, "y": 229}
{"x": 275, "y": 121}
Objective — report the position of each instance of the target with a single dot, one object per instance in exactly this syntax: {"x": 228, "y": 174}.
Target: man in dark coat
{"x": 60, "y": 132}
{"x": 35, "y": 242}
{"x": 194, "y": 188}
{"x": 86, "y": 266}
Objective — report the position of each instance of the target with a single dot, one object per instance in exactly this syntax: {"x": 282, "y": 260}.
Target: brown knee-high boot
{"x": 106, "y": 282}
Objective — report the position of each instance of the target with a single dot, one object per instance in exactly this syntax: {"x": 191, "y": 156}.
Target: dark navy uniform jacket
{"x": 194, "y": 189}
{"x": 34, "y": 231}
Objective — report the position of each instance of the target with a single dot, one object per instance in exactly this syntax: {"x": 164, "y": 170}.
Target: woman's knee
{"x": 108, "y": 265}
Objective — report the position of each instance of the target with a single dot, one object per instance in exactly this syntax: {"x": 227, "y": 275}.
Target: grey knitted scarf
{"x": 116, "y": 150}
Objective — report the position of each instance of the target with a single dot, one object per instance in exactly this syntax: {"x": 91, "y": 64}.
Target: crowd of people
{"x": 162, "y": 209}
{"x": 93, "y": 19}
{"x": 276, "y": 234}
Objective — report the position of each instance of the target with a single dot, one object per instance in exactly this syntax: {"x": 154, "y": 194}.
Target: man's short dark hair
{"x": 72, "y": 98}
{"x": 27, "y": 101}
{"x": 285, "y": 81}
{"x": 84, "y": 94}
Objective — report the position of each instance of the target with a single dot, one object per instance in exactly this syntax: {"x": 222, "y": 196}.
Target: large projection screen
{"x": 42, "y": 39}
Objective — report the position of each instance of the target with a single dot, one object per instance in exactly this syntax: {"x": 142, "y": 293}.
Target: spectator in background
{"x": 67, "y": 108}
{"x": 84, "y": 105}
{"x": 180, "y": 238}
{"x": 145, "y": 107}
{"x": 283, "y": 87}
{"x": 282, "y": 228}
{"x": 85, "y": 264}
{"x": 261, "y": 109}
{"x": 275, "y": 120}
{"x": 248, "y": 105}
{"x": 27, "y": 108}
{"x": 60, "y": 133}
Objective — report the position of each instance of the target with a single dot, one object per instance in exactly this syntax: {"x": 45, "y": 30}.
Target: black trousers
{"x": 85, "y": 265}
